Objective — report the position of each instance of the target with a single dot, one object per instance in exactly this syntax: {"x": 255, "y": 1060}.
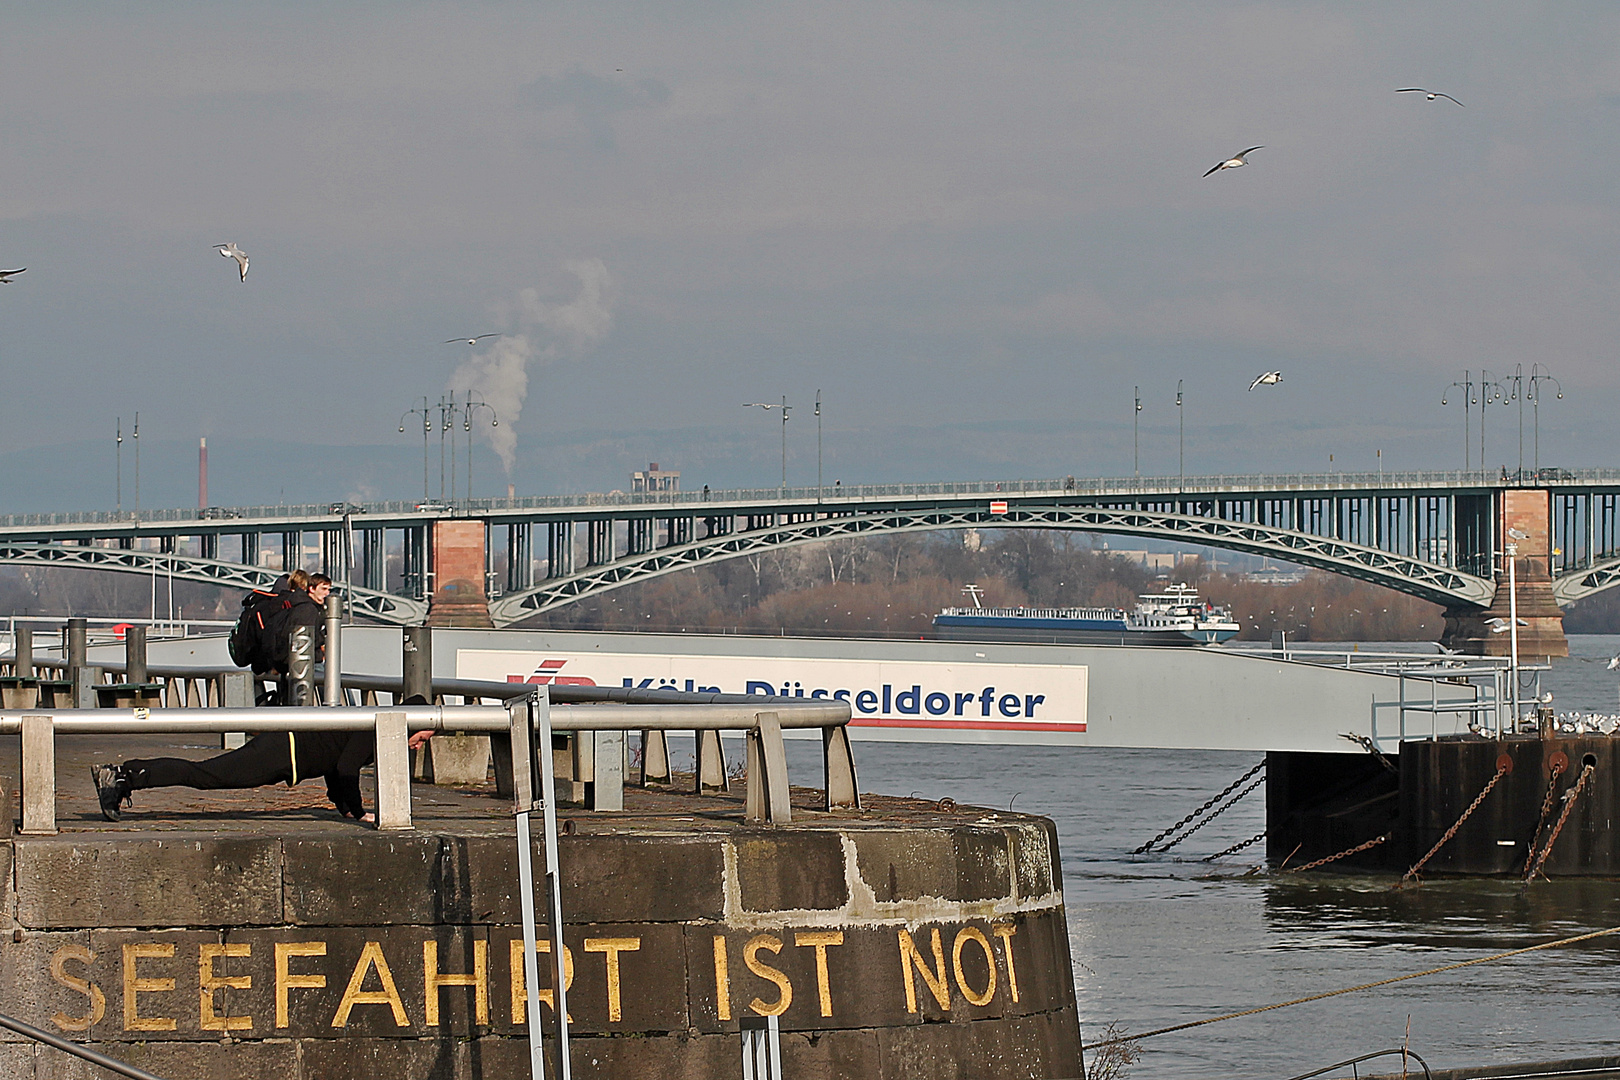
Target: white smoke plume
{"x": 546, "y": 332}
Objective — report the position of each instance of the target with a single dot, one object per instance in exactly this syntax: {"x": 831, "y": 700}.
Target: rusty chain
{"x": 1147, "y": 847}
{"x": 1374, "y": 842}
{"x": 1501, "y": 771}
{"x": 1235, "y": 848}
{"x": 1557, "y": 770}
{"x": 1569, "y": 804}
{"x": 1217, "y": 812}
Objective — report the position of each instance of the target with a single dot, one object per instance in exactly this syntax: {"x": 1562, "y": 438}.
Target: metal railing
{"x": 234, "y": 518}
{"x": 598, "y": 728}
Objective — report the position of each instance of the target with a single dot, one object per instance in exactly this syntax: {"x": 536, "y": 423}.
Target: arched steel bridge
{"x": 1430, "y": 534}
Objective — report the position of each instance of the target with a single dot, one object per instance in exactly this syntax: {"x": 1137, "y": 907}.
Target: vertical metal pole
{"x": 1136, "y": 438}
{"x": 784, "y": 441}
{"x": 38, "y": 775}
{"x": 74, "y": 646}
{"x": 393, "y": 771}
{"x": 1513, "y": 630}
{"x": 523, "y": 795}
{"x": 333, "y": 689}
{"x": 417, "y": 664}
{"x": 119, "y": 467}
{"x": 542, "y": 711}
{"x": 135, "y": 654}
{"x": 818, "y": 445}
{"x": 1181, "y": 452}
{"x": 136, "y": 438}
{"x": 301, "y": 667}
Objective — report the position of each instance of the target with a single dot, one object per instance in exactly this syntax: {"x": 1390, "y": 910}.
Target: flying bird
{"x": 471, "y": 340}
{"x": 1614, "y": 663}
{"x": 1430, "y": 94}
{"x": 7, "y": 275}
{"x": 231, "y": 251}
{"x": 1270, "y": 378}
{"x": 1237, "y": 161}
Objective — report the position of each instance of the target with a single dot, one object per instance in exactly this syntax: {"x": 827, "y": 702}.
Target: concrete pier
{"x": 254, "y": 934}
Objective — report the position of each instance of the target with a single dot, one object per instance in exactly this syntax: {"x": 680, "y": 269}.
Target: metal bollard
{"x": 235, "y": 693}
{"x": 75, "y": 647}
{"x": 301, "y": 667}
{"x": 761, "y": 1048}
{"x": 24, "y": 667}
{"x": 333, "y": 690}
{"x": 417, "y": 664}
{"x": 135, "y": 654}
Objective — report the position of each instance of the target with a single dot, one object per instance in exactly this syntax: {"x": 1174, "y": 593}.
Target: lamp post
{"x": 1467, "y": 388}
{"x": 768, "y": 407}
{"x": 1489, "y": 391}
{"x": 136, "y": 438}
{"x": 818, "y": 447}
{"x": 120, "y": 468}
{"x": 468, "y": 409}
{"x": 1538, "y": 376}
{"x": 427, "y": 426}
{"x": 1136, "y": 439}
{"x": 1181, "y": 423}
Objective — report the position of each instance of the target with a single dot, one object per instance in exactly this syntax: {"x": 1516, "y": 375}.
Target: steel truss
{"x": 1439, "y": 584}
{"x": 1572, "y": 585}
{"x": 370, "y": 603}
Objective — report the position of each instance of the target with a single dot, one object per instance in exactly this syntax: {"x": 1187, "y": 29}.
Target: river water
{"x": 1163, "y": 939}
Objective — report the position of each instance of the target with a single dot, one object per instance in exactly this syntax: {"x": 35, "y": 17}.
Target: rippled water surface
{"x": 1162, "y": 939}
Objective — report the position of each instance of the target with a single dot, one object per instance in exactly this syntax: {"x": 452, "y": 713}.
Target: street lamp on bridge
{"x": 1538, "y": 375}
{"x": 1490, "y": 391}
{"x": 768, "y": 407}
{"x": 469, "y": 409}
{"x": 1181, "y": 442}
{"x": 1467, "y": 388}
{"x": 427, "y": 427}
{"x": 1136, "y": 439}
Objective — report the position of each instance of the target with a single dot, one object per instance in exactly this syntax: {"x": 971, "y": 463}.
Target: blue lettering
{"x": 688, "y": 686}
{"x": 760, "y": 688}
{"x": 708, "y": 689}
{"x": 887, "y": 690}
{"x": 942, "y": 707}
{"x": 841, "y": 695}
{"x": 962, "y": 701}
{"x": 1008, "y": 704}
{"x": 818, "y": 693}
{"x": 909, "y": 701}
{"x": 986, "y": 699}
{"x": 865, "y": 701}
{"x": 1030, "y": 701}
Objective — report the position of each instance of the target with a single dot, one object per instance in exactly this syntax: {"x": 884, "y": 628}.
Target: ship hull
{"x": 1066, "y": 632}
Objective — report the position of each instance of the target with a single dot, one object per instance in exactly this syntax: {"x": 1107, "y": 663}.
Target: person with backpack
{"x": 272, "y": 757}
{"x": 262, "y": 637}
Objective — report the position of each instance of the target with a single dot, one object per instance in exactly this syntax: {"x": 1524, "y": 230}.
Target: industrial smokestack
{"x": 202, "y": 473}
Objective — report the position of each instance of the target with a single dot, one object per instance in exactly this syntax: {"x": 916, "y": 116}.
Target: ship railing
{"x": 598, "y": 727}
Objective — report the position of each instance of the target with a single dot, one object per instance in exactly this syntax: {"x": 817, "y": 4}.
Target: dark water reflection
{"x": 1162, "y": 939}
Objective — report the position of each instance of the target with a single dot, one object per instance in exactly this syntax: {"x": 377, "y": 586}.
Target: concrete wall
{"x": 934, "y": 949}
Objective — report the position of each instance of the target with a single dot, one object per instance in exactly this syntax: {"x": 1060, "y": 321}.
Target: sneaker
{"x": 112, "y": 789}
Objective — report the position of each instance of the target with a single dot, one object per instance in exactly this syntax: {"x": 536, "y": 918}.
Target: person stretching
{"x": 273, "y": 757}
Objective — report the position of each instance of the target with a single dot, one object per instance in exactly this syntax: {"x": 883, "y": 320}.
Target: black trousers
{"x": 264, "y": 759}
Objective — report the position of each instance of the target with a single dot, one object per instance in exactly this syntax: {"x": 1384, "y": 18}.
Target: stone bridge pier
{"x": 457, "y": 559}
{"x": 1468, "y": 630}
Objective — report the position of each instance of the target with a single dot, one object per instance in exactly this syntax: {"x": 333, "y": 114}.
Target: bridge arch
{"x": 1426, "y": 580}
{"x": 372, "y": 603}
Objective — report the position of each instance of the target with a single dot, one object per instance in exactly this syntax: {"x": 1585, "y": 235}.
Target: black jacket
{"x": 337, "y": 756}
{"x": 304, "y": 612}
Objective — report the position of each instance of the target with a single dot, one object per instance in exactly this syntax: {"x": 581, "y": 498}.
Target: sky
{"x": 975, "y": 229}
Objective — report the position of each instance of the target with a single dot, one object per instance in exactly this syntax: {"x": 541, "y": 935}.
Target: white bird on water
{"x": 231, "y": 251}
{"x": 1270, "y": 378}
{"x": 7, "y": 275}
{"x": 1236, "y": 161}
{"x": 471, "y": 341}
{"x": 1430, "y": 94}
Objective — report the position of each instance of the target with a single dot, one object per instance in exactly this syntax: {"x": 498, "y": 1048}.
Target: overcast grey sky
{"x": 974, "y": 227}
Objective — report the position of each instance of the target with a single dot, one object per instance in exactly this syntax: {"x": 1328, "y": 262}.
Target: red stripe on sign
{"x": 981, "y": 725}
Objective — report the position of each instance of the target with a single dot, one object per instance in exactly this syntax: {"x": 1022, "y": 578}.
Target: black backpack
{"x": 251, "y": 638}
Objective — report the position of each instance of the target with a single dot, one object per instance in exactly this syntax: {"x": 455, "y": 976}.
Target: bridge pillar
{"x": 458, "y": 559}
{"x": 1527, "y": 511}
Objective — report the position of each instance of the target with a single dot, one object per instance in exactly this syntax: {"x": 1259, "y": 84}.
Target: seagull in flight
{"x": 1430, "y": 94}
{"x": 1614, "y": 663}
{"x": 7, "y": 275}
{"x": 471, "y": 340}
{"x": 231, "y": 251}
{"x": 1236, "y": 161}
{"x": 1270, "y": 378}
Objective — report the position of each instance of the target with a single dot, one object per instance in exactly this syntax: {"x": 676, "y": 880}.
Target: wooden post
{"x": 38, "y": 776}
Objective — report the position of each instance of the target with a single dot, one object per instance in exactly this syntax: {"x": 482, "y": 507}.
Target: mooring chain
{"x": 1546, "y": 811}
{"x": 1235, "y": 848}
{"x": 1147, "y": 847}
{"x": 1569, "y": 804}
{"x": 1217, "y": 812}
{"x": 1501, "y": 771}
{"x": 1346, "y": 853}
